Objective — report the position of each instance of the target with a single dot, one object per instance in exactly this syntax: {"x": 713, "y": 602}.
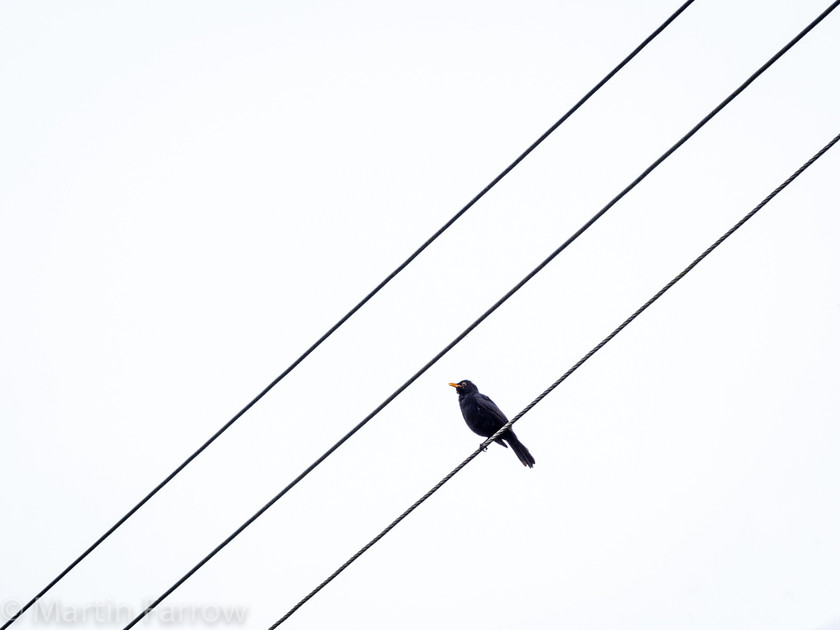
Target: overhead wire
{"x": 554, "y": 385}
{"x": 486, "y": 314}
{"x": 352, "y": 311}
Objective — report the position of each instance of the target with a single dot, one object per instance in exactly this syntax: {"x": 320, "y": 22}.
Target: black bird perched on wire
{"x": 485, "y": 418}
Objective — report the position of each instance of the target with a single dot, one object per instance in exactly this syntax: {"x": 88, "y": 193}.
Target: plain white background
{"x": 193, "y": 192}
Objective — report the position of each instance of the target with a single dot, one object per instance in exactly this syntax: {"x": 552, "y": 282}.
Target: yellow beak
{"x": 454, "y": 385}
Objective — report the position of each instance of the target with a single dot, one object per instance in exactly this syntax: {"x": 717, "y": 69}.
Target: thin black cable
{"x": 352, "y": 311}
{"x": 484, "y": 316}
{"x": 568, "y": 373}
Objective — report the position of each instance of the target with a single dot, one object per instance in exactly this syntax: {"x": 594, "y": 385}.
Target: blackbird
{"x": 485, "y": 418}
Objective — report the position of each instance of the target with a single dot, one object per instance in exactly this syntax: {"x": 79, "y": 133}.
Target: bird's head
{"x": 465, "y": 387}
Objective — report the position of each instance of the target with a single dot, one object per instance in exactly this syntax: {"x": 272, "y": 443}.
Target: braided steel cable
{"x": 484, "y": 316}
{"x": 554, "y": 385}
{"x": 352, "y": 311}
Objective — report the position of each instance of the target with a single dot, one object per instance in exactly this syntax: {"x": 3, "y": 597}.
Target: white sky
{"x": 192, "y": 192}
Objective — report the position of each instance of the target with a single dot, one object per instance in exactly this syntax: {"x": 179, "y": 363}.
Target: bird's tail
{"x": 518, "y": 447}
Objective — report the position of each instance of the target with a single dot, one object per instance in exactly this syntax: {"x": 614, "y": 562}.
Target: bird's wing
{"x": 490, "y": 407}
